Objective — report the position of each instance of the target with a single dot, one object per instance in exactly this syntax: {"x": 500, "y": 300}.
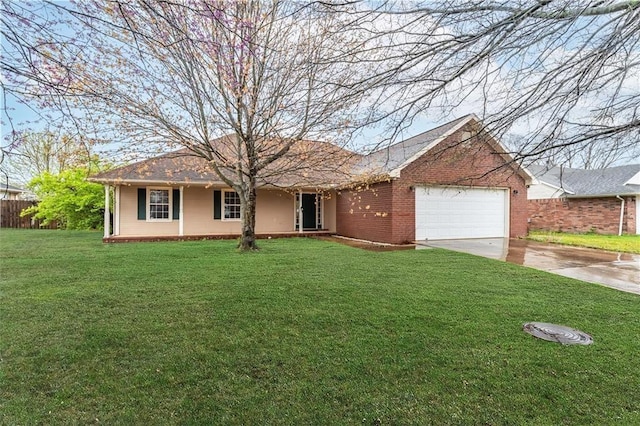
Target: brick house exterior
{"x": 384, "y": 211}
{"x": 371, "y": 197}
{"x": 576, "y": 200}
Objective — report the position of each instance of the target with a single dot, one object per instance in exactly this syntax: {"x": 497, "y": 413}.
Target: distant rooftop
{"x": 621, "y": 180}
{"x": 10, "y": 188}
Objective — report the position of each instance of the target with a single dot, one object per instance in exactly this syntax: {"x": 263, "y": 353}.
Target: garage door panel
{"x": 449, "y": 213}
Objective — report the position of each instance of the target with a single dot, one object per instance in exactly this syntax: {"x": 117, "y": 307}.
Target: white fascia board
{"x": 395, "y": 173}
{"x": 565, "y": 190}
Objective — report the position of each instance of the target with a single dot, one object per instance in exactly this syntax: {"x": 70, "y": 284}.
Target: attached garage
{"x": 454, "y": 212}
{"x": 452, "y": 182}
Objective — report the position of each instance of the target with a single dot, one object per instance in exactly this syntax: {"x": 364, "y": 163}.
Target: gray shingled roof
{"x": 174, "y": 167}
{"x": 589, "y": 183}
{"x": 178, "y": 168}
{"x": 182, "y": 167}
{"x": 10, "y": 188}
{"x": 387, "y": 159}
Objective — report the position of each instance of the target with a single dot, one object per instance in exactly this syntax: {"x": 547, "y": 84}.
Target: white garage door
{"x": 449, "y": 213}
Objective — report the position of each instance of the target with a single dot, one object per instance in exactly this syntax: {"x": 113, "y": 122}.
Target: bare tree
{"x": 185, "y": 74}
{"x": 39, "y": 152}
{"x": 565, "y": 72}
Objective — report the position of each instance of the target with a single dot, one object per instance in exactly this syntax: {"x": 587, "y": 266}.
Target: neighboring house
{"x": 449, "y": 182}
{"x": 10, "y": 192}
{"x": 576, "y": 200}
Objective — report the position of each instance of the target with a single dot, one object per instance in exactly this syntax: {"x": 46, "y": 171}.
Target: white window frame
{"x": 148, "y": 206}
{"x": 320, "y": 211}
{"x": 223, "y": 204}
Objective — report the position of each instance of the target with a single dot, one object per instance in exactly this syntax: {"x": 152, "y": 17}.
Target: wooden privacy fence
{"x": 10, "y": 215}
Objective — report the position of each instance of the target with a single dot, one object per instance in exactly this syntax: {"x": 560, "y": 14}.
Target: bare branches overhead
{"x": 162, "y": 75}
{"x": 562, "y": 74}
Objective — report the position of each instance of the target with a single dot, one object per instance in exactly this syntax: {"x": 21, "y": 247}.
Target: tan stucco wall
{"x": 198, "y": 214}
{"x": 274, "y": 213}
{"x": 129, "y": 223}
{"x": 330, "y": 211}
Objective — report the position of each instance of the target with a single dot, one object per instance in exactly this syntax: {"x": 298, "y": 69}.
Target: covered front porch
{"x": 153, "y": 212}
{"x": 297, "y": 234}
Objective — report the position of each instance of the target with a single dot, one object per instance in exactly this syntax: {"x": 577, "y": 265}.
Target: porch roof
{"x": 305, "y": 166}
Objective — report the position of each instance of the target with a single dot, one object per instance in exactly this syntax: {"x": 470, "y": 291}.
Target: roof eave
{"x": 128, "y": 182}
{"x": 149, "y": 182}
{"x": 565, "y": 190}
{"x": 607, "y": 195}
{"x": 365, "y": 180}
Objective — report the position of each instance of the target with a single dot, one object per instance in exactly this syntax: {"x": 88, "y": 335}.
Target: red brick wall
{"x": 601, "y": 215}
{"x": 451, "y": 162}
{"x": 468, "y": 163}
{"x": 365, "y": 212}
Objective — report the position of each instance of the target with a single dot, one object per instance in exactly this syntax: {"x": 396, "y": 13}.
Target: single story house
{"x": 10, "y": 192}
{"x": 577, "y": 200}
{"x": 454, "y": 181}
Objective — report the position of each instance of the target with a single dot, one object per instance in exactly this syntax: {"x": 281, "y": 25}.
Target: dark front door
{"x": 309, "y": 211}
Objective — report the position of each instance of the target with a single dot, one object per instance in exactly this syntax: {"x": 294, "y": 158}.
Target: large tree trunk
{"x": 248, "y": 216}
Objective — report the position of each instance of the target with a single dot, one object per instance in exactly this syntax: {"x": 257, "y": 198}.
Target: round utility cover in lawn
{"x": 557, "y": 333}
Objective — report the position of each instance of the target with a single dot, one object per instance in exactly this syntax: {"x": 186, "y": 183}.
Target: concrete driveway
{"x": 617, "y": 270}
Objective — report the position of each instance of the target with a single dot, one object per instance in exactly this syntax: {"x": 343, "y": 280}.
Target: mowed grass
{"x": 302, "y": 332}
{"x": 622, "y": 243}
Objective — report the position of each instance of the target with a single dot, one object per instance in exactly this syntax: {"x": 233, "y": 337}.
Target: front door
{"x": 309, "y": 211}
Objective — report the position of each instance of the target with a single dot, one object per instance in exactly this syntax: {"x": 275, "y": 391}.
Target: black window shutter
{"x": 142, "y": 203}
{"x": 176, "y": 204}
{"x": 217, "y": 204}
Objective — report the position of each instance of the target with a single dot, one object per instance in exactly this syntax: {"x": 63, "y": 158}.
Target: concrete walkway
{"x": 616, "y": 270}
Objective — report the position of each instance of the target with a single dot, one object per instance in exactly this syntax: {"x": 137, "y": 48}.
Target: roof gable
{"x": 393, "y": 159}
{"x": 634, "y": 180}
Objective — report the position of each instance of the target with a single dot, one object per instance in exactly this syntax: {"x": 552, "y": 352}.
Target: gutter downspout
{"x": 621, "y": 214}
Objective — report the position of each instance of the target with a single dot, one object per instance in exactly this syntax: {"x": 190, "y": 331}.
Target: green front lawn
{"x": 623, "y": 243}
{"x": 303, "y": 332}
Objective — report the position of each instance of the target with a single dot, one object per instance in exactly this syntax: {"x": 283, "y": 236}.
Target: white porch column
{"x": 300, "y": 212}
{"x": 181, "y": 220}
{"x": 106, "y": 211}
{"x": 116, "y": 212}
